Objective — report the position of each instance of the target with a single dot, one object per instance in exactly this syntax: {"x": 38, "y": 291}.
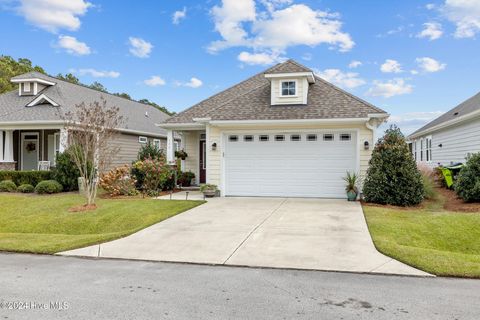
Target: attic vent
{"x": 455, "y": 114}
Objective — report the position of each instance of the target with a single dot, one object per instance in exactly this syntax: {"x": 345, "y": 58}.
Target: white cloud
{"x": 258, "y": 58}
{"x": 96, "y": 73}
{"x": 342, "y": 79}
{"x": 54, "y": 15}
{"x": 73, "y": 46}
{"x": 430, "y": 6}
{"x": 354, "y": 64}
{"x": 389, "y": 88}
{"x": 307, "y": 56}
{"x": 139, "y": 47}
{"x": 391, "y": 66}
{"x": 414, "y": 72}
{"x": 432, "y": 31}
{"x": 179, "y": 15}
{"x": 193, "y": 83}
{"x": 411, "y": 121}
{"x": 154, "y": 81}
{"x": 465, "y": 14}
{"x": 276, "y": 29}
{"x": 427, "y": 64}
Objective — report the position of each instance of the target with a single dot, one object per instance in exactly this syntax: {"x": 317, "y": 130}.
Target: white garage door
{"x": 305, "y": 164}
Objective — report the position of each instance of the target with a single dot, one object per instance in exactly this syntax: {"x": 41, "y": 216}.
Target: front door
{"x": 30, "y": 151}
{"x": 203, "y": 161}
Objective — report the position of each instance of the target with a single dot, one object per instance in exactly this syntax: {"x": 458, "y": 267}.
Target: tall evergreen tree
{"x": 10, "y": 68}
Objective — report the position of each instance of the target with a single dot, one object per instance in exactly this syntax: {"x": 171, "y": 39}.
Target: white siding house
{"x": 451, "y": 137}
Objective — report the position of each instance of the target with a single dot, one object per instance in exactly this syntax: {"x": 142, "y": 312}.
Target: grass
{"x": 43, "y": 224}
{"x": 429, "y": 238}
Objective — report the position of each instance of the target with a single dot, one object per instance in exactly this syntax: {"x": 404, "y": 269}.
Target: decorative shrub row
{"x": 46, "y": 186}
{"x": 26, "y": 177}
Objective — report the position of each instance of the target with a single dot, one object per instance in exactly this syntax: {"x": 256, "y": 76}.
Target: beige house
{"x": 282, "y": 132}
{"x": 32, "y": 131}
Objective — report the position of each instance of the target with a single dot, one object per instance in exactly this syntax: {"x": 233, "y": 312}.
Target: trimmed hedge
{"x": 48, "y": 186}
{"x": 8, "y": 186}
{"x": 467, "y": 185}
{"x": 26, "y": 188}
{"x": 25, "y": 177}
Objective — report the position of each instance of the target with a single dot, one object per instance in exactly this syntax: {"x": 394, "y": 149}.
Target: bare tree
{"x": 91, "y": 128}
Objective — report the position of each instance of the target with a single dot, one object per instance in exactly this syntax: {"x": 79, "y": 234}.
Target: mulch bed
{"x": 139, "y": 196}
{"x": 454, "y": 203}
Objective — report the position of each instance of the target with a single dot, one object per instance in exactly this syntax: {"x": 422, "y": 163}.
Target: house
{"x": 32, "y": 130}
{"x": 451, "y": 137}
{"x": 282, "y": 132}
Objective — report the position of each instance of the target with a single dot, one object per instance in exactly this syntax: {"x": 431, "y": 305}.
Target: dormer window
{"x": 26, "y": 87}
{"x": 288, "y": 88}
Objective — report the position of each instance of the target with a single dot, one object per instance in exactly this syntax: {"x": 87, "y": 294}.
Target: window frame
{"x": 27, "y": 87}
{"x": 340, "y": 137}
{"x": 309, "y": 135}
{"x": 281, "y": 82}
{"x": 260, "y": 138}
{"x": 275, "y": 138}
{"x": 233, "y": 138}
{"x": 298, "y": 137}
{"x": 143, "y": 139}
{"x": 250, "y": 136}
{"x": 328, "y": 134}
{"x": 428, "y": 148}
{"x": 159, "y": 146}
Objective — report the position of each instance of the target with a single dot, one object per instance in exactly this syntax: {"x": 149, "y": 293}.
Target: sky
{"x": 414, "y": 59}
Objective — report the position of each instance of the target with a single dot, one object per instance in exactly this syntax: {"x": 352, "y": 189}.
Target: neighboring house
{"x": 282, "y": 132}
{"x": 32, "y": 130}
{"x": 451, "y": 137}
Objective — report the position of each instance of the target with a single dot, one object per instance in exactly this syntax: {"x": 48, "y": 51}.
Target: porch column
{"x": 63, "y": 140}
{"x": 1, "y": 146}
{"x": 170, "y": 147}
{"x": 8, "y": 155}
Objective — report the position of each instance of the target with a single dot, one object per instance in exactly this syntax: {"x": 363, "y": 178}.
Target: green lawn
{"x": 42, "y": 224}
{"x": 431, "y": 239}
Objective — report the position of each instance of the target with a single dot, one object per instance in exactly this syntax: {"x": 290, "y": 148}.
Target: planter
{"x": 351, "y": 195}
{"x": 209, "y": 193}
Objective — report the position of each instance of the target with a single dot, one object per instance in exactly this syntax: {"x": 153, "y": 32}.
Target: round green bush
{"x": 467, "y": 185}
{"x": 48, "y": 186}
{"x": 26, "y": 188}
{"x": 8, "y": 186}
{"x": 66, "y": 172}
{"x": 393, "y": 177}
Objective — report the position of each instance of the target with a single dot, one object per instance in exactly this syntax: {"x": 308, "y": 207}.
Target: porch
{"x": 30, "y": 148}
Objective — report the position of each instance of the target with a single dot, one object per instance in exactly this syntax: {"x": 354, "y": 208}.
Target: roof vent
{"x": 146, "y": 114}
{"x": 455, "y": 114}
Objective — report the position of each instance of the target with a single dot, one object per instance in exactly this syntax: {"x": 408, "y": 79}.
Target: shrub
{"x": 467, "y": 185}
{"x": 393, "y": 177}
{"x": 26, "y": 188}
{"x": 429, "y": 186}
{"x": 66, "y": 172}
{"x": 185, "y": 178}
{"x": 118, "y": 182}
{"x": 8, "y": 186}
{"x": 25, "y": 177}
{"x": 48, "y": 186}
{"x": 150, "y": 151}
{"x": 155, "y": 173}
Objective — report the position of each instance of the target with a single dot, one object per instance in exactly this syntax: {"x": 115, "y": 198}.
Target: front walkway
{"x": 260, "y": 232}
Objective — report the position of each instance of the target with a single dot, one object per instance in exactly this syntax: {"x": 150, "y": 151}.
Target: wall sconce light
{"x": 214, "y": 146}
{"x": 440, "y": 145}
{"x": 366, "y": 145}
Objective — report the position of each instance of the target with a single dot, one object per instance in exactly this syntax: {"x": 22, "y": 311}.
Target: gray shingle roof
{"x": 14, "y": 107}
{"x": 251, "y": 100}
{"x": 468, "y": 106}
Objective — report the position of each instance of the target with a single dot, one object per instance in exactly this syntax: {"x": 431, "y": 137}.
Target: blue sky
{"x": 414, "y": 59}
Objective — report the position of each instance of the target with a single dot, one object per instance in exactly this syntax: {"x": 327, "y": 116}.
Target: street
{"x": 53, "y": 287}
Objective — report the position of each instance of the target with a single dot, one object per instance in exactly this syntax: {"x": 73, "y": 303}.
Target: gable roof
{"x": 138, "y": 116}
{"x": 251, "y": 100}
{"x": 465, "y": 108}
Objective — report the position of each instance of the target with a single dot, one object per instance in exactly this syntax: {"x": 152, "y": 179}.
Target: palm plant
{"x": 351, "y": 179}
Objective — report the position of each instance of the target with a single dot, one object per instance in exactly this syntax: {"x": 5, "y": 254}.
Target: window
{"x": 248, "y": 138}
{"x": 263, "y": 138}
{"x": 279, "y": 137}
{"x": 415, "y": 149}
{"x": 233, "y": 138}
{"x": 328, "y": 137}
{"x": 311, "y": 137}
{"x": 157, "y": 144}
{"x": 421, "y": 149}
{"x": 26, "y": 86}
{"x": 176, "y": 146}
{"x": 345, "y": 137}
{"x": 142, "y": 139}
{"x": 289, "y": 88}
{"x": 295, "y": 137}
{"x": 428, "y": 148}
{"x": 203, "y": 136}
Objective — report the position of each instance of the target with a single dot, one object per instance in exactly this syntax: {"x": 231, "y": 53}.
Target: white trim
{"x": 281, "y": 95}
{"x": 35, "y": 88}
{"x": 56, "y": 136}
{"x": 159, "y": 143}
{"x": 40, "y": 98}
{"x": 33, "y": 80}
{"x": 288, "y": 122}
{"x": 22, "y": 144}
{"x": 309, "y": 75}
{"x": 142, "y": 139}
{"x": 182, "y": 126}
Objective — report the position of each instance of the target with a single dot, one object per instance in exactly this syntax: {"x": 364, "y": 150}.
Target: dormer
{"x": 30, "y": 86}
{"x": 290, "y": 88}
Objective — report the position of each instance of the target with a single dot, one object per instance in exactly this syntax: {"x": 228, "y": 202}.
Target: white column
{"x": 63, "y": 140}
{"x": 1, "y": 146}
{"x": 8, "y": 155}
{"x": 170, "y": 147}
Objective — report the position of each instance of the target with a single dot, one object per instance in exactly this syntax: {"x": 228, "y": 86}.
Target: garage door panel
{"x": 288, "y": 168}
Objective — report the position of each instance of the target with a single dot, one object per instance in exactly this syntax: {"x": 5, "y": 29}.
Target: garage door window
{"x": 233, "y": 138}
{"x": 279, "y": 137}
{"x": 345, "y": 137}
{"x": 248, "y": 138}
{"x": 311, "y": 137}
{"x": 295, "y": 137}
{"x": 328, "y": 137}
{"x": 263, "y": 138}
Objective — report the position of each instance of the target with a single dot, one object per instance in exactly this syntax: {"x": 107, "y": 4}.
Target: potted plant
{"x": 185, "y": 178}
{"x": 209, "y": 190}
{"x": 181, "y": 154}
{"x": 351, "y": 187}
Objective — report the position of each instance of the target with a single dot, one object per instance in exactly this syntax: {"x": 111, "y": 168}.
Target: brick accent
{"x": 7, "y": 166}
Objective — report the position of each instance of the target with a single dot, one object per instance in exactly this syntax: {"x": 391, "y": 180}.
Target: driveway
{"x": 315, "y": 234}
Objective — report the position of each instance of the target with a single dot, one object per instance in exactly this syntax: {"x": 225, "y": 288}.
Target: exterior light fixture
{"x": 440, "y": 145}
{"x": 366, "y": 145}
{"x": 214, "y": 146}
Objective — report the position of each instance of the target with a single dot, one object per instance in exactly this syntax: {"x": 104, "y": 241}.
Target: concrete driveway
{"x": 296, "y": 233}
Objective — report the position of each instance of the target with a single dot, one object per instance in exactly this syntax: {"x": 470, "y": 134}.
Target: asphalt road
{"x": 50, "y": 287}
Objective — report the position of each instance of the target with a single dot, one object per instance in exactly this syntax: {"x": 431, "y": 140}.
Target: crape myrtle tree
{"x": 392, "y": 177}
{"x": 91, "y": 128}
